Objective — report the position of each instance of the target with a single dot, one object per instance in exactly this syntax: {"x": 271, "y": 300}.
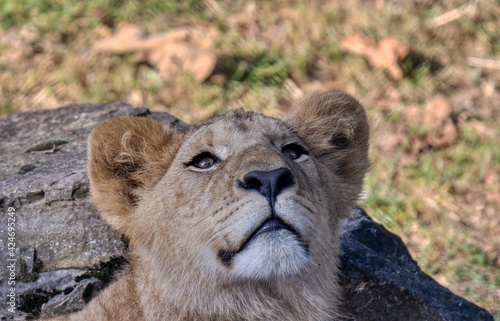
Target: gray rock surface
{"x": 383, "y": 283}
{"x": 64, "y": 253}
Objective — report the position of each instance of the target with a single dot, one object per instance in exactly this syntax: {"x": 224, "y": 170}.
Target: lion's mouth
{"x": 270, "y": 225}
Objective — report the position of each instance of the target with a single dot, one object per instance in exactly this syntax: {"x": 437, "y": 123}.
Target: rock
{"x": 56, "y": 292}
{"x": 44, "y": 186}
{"x": 382, "y": 282}
{"x": 74, "y": 300}
{"x": 64, "y": 253}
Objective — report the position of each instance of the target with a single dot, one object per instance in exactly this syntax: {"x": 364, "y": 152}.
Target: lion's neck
{"x": 180, "y": 296}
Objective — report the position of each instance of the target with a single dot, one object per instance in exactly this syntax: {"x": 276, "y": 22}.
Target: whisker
{"x": 234, "y": 206}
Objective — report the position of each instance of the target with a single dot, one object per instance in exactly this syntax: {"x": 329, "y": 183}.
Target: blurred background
{"x": 428, "y": 73}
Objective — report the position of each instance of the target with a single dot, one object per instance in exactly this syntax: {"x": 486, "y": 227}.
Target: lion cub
{"x": 235, "y": 219}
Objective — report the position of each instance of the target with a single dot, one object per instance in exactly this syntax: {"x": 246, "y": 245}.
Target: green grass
{"x": 56, "y": 15}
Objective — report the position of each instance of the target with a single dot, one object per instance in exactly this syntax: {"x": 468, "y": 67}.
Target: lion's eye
{"x": 340, "y": 141}
{"x": 294, "y": 152}
{"x": 203, "y": 161}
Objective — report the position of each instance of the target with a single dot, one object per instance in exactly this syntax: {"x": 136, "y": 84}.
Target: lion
{"x": 234, "y": 219}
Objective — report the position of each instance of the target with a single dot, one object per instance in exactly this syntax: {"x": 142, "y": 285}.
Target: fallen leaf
{"x": 386, "y": 97}
{"x": 198, "y": 36}
{"x": 491, "y": 178}
{"x": 391, "y": 143}
{"x": 414, "y": 113}
{"x": 446, "y": 136}
{"x": 417, "y": 145}
{"x": 127, "y": 38}
{"x": 436, "y": 118}
{"x": 436, "y": 112}
{"x": 385, "y": 55}
{"x": 177, "y": 51}
{"x": 177, "y": 58}
{"x": 136, "y": 98}
{"x": 358, "y": 44}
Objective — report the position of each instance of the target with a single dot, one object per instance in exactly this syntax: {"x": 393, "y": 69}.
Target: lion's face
{"x": 242, "y": 197}
{"x": 249, "y": 194}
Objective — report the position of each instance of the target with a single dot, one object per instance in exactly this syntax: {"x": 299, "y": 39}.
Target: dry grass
{"x": 435, "y": 183}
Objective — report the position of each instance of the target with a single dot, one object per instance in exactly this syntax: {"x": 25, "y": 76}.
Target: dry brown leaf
{"x": 385, "y": 55}
{"x": 390, "y": 143}
{"x": 130, "y": 38}
{"x": 436, "y": 112}
{"x": 491, "y": 178}
{"x": 202, "y": 37}
{"x": 178, "y": 58}
{"x": 180, "y": 50}
{"x": 413, "y": 113}
{"x": 386, "y": 97}
{"x": 136, "y": 98}
{"x": 435, "y": 116}
{"x": 126, "y": 38}
{"x": 357, "y": 44}
{"x": 417, "y": 145}
{"x": 446, "y": 136}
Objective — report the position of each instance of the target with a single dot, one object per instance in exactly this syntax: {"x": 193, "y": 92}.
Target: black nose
{"x": 269, "y": 184}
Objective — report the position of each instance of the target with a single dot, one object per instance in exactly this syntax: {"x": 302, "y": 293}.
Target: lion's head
{"x": 241, "y": 208}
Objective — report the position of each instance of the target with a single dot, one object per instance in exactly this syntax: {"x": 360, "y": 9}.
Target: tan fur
{"x": 181, "y": 221}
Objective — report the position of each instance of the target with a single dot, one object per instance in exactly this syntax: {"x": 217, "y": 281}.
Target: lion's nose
{"x": 268, "y": 183}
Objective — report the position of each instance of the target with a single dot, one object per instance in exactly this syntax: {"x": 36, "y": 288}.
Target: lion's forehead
{"x": 239, "y": 130}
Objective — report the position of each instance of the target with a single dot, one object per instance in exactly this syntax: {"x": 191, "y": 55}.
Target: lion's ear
{"x": 335, "y": 127}
{"x": 126, "y": 157}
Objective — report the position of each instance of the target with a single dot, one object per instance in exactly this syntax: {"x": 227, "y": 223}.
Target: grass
{"x": 442, "y": 201}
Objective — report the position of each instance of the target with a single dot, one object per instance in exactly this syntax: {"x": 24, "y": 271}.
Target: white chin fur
{"x": 275, "y": 254}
